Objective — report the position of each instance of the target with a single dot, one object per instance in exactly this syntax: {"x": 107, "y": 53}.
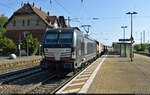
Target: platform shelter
{"x": 122, "y": 48}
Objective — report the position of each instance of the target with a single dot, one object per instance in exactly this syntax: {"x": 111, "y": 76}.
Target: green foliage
{"x": 143, "y": 47}
{"x": 137, "y": 47}
{"x": 116, "y": 48}
{"x": 147, "y": 51}
{"x": 33, "y": 44}
{"x": 3, "y": 20}
{"x": 7, "y": 46}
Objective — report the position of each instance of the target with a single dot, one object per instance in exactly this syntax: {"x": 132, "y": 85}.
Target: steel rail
{"x": 17, "y": 72}
{"x": 53, "y": 75}
{"x": 16, "y": 76}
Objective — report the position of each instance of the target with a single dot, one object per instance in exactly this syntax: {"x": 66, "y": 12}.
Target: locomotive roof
{"x": 88, "y": 37}
{"x": 67, "y": 29}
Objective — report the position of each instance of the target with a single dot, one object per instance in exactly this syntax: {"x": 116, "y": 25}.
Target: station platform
{"x": 113, "y": 74}
{"x": 120, "y": 75}
{"x": 8, "y": 65}
{"x": 6, "y": 60}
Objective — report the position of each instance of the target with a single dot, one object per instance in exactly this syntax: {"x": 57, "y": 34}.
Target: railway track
{"x": 15, "y": 75}
{"x": 35, "y": 81}
{"x": 51, "y": 85}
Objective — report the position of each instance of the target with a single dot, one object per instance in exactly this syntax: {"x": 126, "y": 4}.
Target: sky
{"x": 111, "y": 16}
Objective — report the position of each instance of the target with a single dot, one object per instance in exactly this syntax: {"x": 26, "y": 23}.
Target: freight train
{"x": 69, "y": 49}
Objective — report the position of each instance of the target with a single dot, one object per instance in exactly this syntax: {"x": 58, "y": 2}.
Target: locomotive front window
{"x": 63, "y": 38}
{"x": 51, "y": 38}
{"x": 66, "y": 38}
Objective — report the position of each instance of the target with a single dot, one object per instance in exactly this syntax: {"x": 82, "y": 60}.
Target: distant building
{"x": 29, "y": 19}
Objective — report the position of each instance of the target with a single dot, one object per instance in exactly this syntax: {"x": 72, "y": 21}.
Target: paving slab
{"x": 120, "y": 75}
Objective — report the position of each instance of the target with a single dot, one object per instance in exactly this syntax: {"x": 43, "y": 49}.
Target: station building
{"x": 29, "y": 19}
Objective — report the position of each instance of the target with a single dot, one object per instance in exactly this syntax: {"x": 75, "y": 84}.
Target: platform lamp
{"x": 131, "y": 38}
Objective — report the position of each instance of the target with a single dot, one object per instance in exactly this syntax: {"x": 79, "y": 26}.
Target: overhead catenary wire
{"x": 82, "y": 2}
{"x": 79, "y": 19}
{"x": 50, "y": 1}
{"x": 68, "y": 12}
{"x": 87, "y": 13}
{"x": 51, "y": 6}
{"x": 63, "y": 7}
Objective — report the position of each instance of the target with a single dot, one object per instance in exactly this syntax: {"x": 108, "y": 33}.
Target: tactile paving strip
{"x": 81, "y": 82}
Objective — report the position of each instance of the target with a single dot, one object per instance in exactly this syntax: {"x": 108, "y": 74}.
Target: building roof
{"x": 31, "y": 9}
{"x": 51, "y": 19}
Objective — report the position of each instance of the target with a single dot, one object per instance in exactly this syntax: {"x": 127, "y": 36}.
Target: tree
{"x": 3, "y": 20}
{"x": 137, "y": 47}
{"x": 143, "y": 47}
{"x": 7, "y": 46}
{"x": 33, "y": 44}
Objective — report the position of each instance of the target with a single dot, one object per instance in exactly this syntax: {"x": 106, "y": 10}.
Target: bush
{"x": 33, "y": 44}
{"x": 144, "y": 47}
{"x": 7, "y": 46}
{"x": 137, "y": 47}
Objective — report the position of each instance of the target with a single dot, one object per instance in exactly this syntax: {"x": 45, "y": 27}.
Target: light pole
{"x": 123, "y": 27}
{"x": 28, "y": 42}
{"x": 19, "y": 45}
{"x": 40, "y": 49}
{"x": 28, "y": 47}
{"x": 123, "y": 31}
{"x": 131, "y": 38}
{"x": 26, "y": 33}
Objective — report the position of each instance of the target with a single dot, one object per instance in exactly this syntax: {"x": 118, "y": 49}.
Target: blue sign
{"x": 124, "y": 40}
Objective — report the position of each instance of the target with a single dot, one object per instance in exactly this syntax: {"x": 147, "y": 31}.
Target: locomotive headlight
{"x": 73, "y": 55}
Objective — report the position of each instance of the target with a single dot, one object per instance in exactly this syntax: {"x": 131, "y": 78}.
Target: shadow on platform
{"x": 124, "y": 61}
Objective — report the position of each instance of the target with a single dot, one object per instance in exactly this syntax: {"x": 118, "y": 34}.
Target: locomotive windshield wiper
{"x": 59, "y": 39}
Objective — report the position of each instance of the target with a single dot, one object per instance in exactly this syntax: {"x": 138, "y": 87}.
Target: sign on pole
{"x": 131, "y": 39}
{"x": 124, "y": 39}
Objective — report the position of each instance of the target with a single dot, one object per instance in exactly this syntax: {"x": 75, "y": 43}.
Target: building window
{"x": 37, "y": 23}
{"x": 26, "y": 33}
{"x": 23, "y": 23}
{"x": 28, "y": 23}
{"x": 14, "y": 23}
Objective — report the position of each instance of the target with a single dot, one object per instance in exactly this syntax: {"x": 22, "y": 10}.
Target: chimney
{"x": 40, "y": 9}
{"x": 33, "y": 4}
{"x": 48, "y": 13}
